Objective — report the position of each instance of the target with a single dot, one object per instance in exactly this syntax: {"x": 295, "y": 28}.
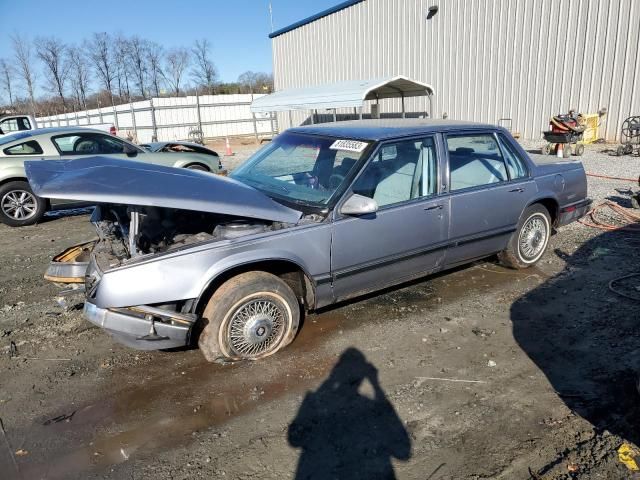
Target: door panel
{"x": 487, "y": 195}
{"x": 407, "y": 236}
{"x": 388, "y": 247}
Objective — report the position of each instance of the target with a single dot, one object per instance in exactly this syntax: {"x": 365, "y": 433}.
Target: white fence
{"x": 175, "y": 118}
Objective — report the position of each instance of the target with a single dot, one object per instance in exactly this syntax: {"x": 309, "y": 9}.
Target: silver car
{"x": 321, "y": 214}
{"x": 19, "y": 206}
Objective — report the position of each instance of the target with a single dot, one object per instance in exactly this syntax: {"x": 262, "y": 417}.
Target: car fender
{"x": 12, "y": 173}
{"x": 242, "y": 259}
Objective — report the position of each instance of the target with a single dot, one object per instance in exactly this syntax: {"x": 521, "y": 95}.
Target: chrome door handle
{"x": 519, "y": 190}
{"x": 434, "y": 207}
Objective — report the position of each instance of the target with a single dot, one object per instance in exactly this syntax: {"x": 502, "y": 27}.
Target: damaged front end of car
{"x": 159, "y": 232}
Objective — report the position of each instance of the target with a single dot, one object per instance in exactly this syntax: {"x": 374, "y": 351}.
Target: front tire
{"x": 249, "y": 317}
{"x": 19, "y": 206}
{"x": 529, "y": 242}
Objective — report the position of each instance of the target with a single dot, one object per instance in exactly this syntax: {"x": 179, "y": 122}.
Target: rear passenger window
{"x": 515, "y": 164}
{"x": 27, "y": 148}
{"x": 474, "y": 160}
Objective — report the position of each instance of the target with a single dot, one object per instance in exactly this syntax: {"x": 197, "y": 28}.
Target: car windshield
{"x": 14, "y": 136}
{"x": 302, "y": 168}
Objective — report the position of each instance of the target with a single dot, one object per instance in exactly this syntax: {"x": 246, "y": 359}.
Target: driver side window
{"x": 401, "y": 171}
{"x": 87, "y": 144}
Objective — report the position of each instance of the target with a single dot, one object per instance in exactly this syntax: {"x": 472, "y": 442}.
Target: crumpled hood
{"x": 106, "y": 180}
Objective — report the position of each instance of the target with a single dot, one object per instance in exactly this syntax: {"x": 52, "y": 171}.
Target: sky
{"x": 237, "y": 29}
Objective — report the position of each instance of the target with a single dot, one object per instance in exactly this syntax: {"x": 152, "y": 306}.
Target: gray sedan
{"x": 322, "y": 214}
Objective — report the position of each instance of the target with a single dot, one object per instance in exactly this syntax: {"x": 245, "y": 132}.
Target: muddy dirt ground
{"x": 477, "y": 373}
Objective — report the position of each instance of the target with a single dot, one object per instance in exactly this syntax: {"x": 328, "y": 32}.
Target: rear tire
{"x": 19, "y": 206}
{"x": 249, "y": 317}
{"x": 529, "y": 242}
{"x": 566, "y": 151}
{"x": 579, "y": 150}
{"x": 546, "y": 149}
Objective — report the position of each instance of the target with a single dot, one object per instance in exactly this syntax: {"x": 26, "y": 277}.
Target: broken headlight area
{"x": 127, "y": 232}
{"x": 145, "y": 327}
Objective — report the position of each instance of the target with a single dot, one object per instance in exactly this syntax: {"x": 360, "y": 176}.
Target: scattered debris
{"x": 6, "y": 441}
{"x": 627, "y": 454}
{"x": 482, "y": 332}
{"x": 13, "y": 349}
{"x": 21, "y": 453}
{"x": 424, "y": 379}
{"x": 60, "y": 418}
{"x": 491, "y": 363}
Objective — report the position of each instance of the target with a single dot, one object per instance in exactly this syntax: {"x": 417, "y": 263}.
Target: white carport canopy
{"x": 350, "y": 94}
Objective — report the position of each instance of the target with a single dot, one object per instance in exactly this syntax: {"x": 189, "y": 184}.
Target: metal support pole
{"x": 360, "y": 113}
{"x": 274, "y": 123}
{"x": 313, "y": 117}
{"x": 115, "y": 118}
{"x": 430, "y": 106}
{"x": 198, "y": 115}
{"x": 133, "y": 120}
{"x": 255, "y": 127}
{"x": 402, "y": 99}
{"x": 290, "y": 119}
{"x": 154, "y": 136}
{"x": 335, "y": 117}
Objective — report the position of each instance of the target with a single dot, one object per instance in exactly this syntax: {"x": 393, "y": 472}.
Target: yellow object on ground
{"x": 592, "y": 122}
{"x": 627, "y": 454}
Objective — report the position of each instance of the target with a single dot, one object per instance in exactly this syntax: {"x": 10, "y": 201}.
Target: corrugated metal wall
{"x": 487, "y": 59}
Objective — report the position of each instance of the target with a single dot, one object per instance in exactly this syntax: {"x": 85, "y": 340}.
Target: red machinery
{"x": 565, "y": 131}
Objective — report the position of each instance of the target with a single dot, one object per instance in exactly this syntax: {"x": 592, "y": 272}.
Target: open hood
{"x": 106, "y": 180}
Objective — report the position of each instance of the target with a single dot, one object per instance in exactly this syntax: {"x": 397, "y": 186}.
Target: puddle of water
{"x": 180, "y": 393}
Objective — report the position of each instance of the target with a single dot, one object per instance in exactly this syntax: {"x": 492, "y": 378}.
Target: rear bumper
{"x": 138, "y": 330}
{"x": 571, "y": 213}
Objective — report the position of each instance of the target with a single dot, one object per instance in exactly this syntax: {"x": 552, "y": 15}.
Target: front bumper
{"x": 139, "y": 330}
{"x": 571, "y": 213}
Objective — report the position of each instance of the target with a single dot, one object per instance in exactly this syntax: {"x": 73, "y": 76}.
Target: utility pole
{"x": 271, "y": 16}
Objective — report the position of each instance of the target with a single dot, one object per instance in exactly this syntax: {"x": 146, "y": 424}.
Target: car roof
{"x": 54, "y": 130}
{"x": 383, "y": 129}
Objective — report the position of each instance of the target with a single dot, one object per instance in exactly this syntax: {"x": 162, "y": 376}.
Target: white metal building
{"x": 486, "y": 59}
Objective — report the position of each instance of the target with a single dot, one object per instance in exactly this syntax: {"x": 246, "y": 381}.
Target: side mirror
{"x": 359, "y": 205}
{"x": 129, "y": 150}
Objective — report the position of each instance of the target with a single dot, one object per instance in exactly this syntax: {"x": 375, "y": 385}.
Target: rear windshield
{"x": 13, "y": 137}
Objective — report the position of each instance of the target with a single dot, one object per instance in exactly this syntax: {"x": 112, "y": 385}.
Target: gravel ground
{"x": 477, "y": 373}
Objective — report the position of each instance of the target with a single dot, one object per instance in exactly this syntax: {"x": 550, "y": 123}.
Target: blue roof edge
{"x": 312, "y": 18}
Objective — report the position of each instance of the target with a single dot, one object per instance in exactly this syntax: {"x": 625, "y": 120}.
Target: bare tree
{"x": 249, "y": 80}
{"x": 204, "y": 72}
{"x": 154, "y": 57}
{"x": 137, "y": 53}
{"x": 52, "y": 52}
{"x": 6, "y": 79}
{"x": 177, "y": 61}
{"x": 79, "y": 75}
{"x": 101, "y": 54}
{"x": 24, "y": 61}
{"x": 122, "y": 67}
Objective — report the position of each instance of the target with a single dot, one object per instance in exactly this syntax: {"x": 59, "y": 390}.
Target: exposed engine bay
{"x": 127, "y": 232}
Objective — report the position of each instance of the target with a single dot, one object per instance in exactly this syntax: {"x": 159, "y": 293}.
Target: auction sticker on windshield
{"x": 349, "y": 145}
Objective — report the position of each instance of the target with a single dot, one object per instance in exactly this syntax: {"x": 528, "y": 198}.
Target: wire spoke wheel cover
{"x": 256, "y": 326}
{"x": 533, "y": 237}
{"x": 18, "y": 204}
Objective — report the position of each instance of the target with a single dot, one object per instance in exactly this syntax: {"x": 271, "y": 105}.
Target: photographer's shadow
{"x": 344, "y": 433}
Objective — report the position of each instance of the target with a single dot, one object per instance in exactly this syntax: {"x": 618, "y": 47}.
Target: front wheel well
{"x": 290, "y": 272}
{"x": 552, "y": 207}
{"x": 197, "y": 164}
{"x": 13, "y": 179}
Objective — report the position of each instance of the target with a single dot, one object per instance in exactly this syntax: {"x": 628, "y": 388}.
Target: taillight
{"x": 112, "y": 130}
